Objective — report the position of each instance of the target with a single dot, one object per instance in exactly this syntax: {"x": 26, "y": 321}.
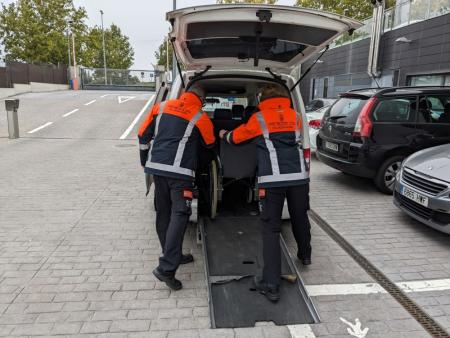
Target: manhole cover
{"x": 125, "y": 145}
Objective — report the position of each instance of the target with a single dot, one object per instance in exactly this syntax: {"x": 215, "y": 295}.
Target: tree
{"x": 266, "y": 2}
{"x": 119, "y": 53}
{"x": 36, "y": 31}
{"x": 358, "y": 9}
{"x": 161, "y": 54}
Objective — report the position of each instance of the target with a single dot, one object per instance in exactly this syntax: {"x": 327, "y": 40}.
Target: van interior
{"x": 230, "y": 102}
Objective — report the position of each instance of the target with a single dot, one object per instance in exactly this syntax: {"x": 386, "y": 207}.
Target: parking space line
{"x": 71, "y": 112}
{"x": 372, "y": 288}
{"x": 136, "y": 119}
{"x": 90, "y": 102}
{"x": 301, "y": 331}
{"x": 344, "y": 289}
{"x": 106, "y": 95}
{"x": 39, "y": 128}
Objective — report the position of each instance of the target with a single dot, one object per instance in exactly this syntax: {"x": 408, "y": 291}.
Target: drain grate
{"x": 427, "y": 322}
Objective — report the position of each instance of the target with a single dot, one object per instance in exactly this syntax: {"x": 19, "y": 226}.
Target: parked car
{"x": 369, "y": 132}
{"x": 317, "y": 104}
{"x": 422, "y": 188}
{"x": 315, "y": 123}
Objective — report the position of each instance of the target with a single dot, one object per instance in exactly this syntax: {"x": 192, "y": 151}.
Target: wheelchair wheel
{"x": 213, "y": 189}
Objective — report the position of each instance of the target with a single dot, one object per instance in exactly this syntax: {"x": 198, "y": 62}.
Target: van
{"x": 232, "y": 51}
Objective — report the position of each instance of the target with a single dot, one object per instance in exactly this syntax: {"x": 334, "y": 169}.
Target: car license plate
{"x": 331, "y": 146}
{"x": 412, "y": 195}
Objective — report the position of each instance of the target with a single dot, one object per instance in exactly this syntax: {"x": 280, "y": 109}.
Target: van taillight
{"x": 363, "y": 127}
{"x": 307, "y": 157}
{"x": 315, "y": 124}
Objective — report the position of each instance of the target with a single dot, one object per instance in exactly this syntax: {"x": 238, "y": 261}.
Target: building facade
{"x": 414, "y": 50}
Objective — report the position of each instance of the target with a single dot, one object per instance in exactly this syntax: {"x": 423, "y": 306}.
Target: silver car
{"x": 422, "y": 189}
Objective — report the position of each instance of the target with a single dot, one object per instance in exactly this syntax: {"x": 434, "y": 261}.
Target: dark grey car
{"x": 422, "y": 189}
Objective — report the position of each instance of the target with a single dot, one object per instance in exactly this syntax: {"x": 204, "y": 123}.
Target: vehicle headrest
{"x": 222, "y": 114}
{"x": 424, "y": 104}
{"x": 237, "y": 112}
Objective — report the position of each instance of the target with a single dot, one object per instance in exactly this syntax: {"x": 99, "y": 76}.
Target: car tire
{"x": 385, "y": 178}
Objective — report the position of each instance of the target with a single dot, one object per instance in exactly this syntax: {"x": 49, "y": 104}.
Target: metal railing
{"x": 405, "y": 12}
{"x": 118, "y": 77}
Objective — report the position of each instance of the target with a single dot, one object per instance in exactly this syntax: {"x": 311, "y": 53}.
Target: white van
{"x": 233, "y": 51}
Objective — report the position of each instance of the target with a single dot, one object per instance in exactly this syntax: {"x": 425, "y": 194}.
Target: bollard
{"x": 13, "y": 119}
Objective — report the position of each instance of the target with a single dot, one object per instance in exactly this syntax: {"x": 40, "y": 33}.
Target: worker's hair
{"x": 271, "y": 91}
{"x": 197, "y": 90}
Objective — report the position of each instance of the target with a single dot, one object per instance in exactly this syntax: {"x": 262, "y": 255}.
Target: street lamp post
{"x": 174, "y": 59}
{"x": 104, "y": 49}
{"x": 73, "y": 53}
{"x": 68, "y": 45}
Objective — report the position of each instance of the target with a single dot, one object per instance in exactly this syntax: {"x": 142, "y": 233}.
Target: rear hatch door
{"x": 245, "y": 36}
{"x": 339, "y": 123}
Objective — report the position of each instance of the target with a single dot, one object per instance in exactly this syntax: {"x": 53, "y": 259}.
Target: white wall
{"x": 33, "y": 87}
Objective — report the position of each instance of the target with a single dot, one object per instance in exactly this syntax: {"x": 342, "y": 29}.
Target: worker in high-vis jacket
{"x": 169, "y": 140}
{"x": 283, "y": 173}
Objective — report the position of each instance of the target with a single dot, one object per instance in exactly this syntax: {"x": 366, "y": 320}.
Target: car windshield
{"x": 346, "y": 109}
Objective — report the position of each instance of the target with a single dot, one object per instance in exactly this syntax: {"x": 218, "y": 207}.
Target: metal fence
{"x": 118, "y": 78}
{"x": 23, "y": 73}
{"x": 404, "y": 13}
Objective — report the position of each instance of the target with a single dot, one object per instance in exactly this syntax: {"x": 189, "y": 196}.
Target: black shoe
{"x": 185, "y": 259}
{"x": 304, "y": 260}
{"x": 170, "y": 280}
{"x": 271, "y": 293}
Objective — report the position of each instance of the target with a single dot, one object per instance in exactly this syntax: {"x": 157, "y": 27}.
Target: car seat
{"x": 238, "y": 161}
{"x": 248, "y": 112}
{"x": 223, "y": 120}
{"x": 237, "y": 112}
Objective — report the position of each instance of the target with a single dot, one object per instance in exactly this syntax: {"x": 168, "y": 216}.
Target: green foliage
{"x": 119, "y": 53}
{"x": 358, "y": 9}
{"x": 36, "y": 31}
{"x": 267, "y": 2}
{"x": 161, "y": 54}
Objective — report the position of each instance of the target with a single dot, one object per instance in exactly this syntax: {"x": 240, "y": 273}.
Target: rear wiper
{"x": 337, "y": 117}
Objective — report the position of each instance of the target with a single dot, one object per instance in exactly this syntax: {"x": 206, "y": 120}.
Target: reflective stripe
{"x": 283, "y": 177}
{"x": 188, "y": 132}
{"x": 269, "y": 144}
{"x": 170, "y": 168}
{"x": 144, "y": 146}
{"x": 298, "y": 135}
{"x": 228, "y": 137}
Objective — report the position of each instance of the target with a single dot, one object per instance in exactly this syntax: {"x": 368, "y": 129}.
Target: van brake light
{"x": 363, "y": 126}
{"x": 307, "y": 157}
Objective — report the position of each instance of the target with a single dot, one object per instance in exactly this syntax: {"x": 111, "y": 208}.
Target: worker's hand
{"x": 222, "y": 133}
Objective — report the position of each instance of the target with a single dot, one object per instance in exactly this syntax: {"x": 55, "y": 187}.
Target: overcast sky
{"x": 142, "y": 20}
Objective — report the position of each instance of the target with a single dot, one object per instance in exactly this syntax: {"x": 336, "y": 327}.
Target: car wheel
{"x": 385, "y": 179}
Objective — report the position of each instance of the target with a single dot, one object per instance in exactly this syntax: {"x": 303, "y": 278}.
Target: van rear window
{"x": 346, "y": 110}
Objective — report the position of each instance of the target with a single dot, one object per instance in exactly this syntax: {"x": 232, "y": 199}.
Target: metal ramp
{"x": 232, "y": 248}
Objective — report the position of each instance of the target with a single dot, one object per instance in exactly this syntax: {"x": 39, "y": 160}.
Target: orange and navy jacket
{"x": 276, "y": 129}
{"x": 170, "y": 137}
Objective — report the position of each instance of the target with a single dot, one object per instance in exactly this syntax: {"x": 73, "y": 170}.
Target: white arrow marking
{"x": 355, "y": 330}
{"x": 123, "y": 99}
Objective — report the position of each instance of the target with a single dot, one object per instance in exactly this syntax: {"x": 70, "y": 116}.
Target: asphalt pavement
{"x": 78, "y": 243}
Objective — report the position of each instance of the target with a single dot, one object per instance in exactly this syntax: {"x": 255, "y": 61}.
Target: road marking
{"x": 71, "y": 112}
{"x": 371, "y": 288}
{"x": 39, "y": 128}
{"x": 301, "y": 331}
{"x": 425, "y": 285}
{"x": 344, "y": 289}
{"x": 136, "y": 119}
{"x": 123, "y": 99}
{"x": 90, "y": 102}
{"x": 106, "y": 95}
{"x": 356, "y": 329}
